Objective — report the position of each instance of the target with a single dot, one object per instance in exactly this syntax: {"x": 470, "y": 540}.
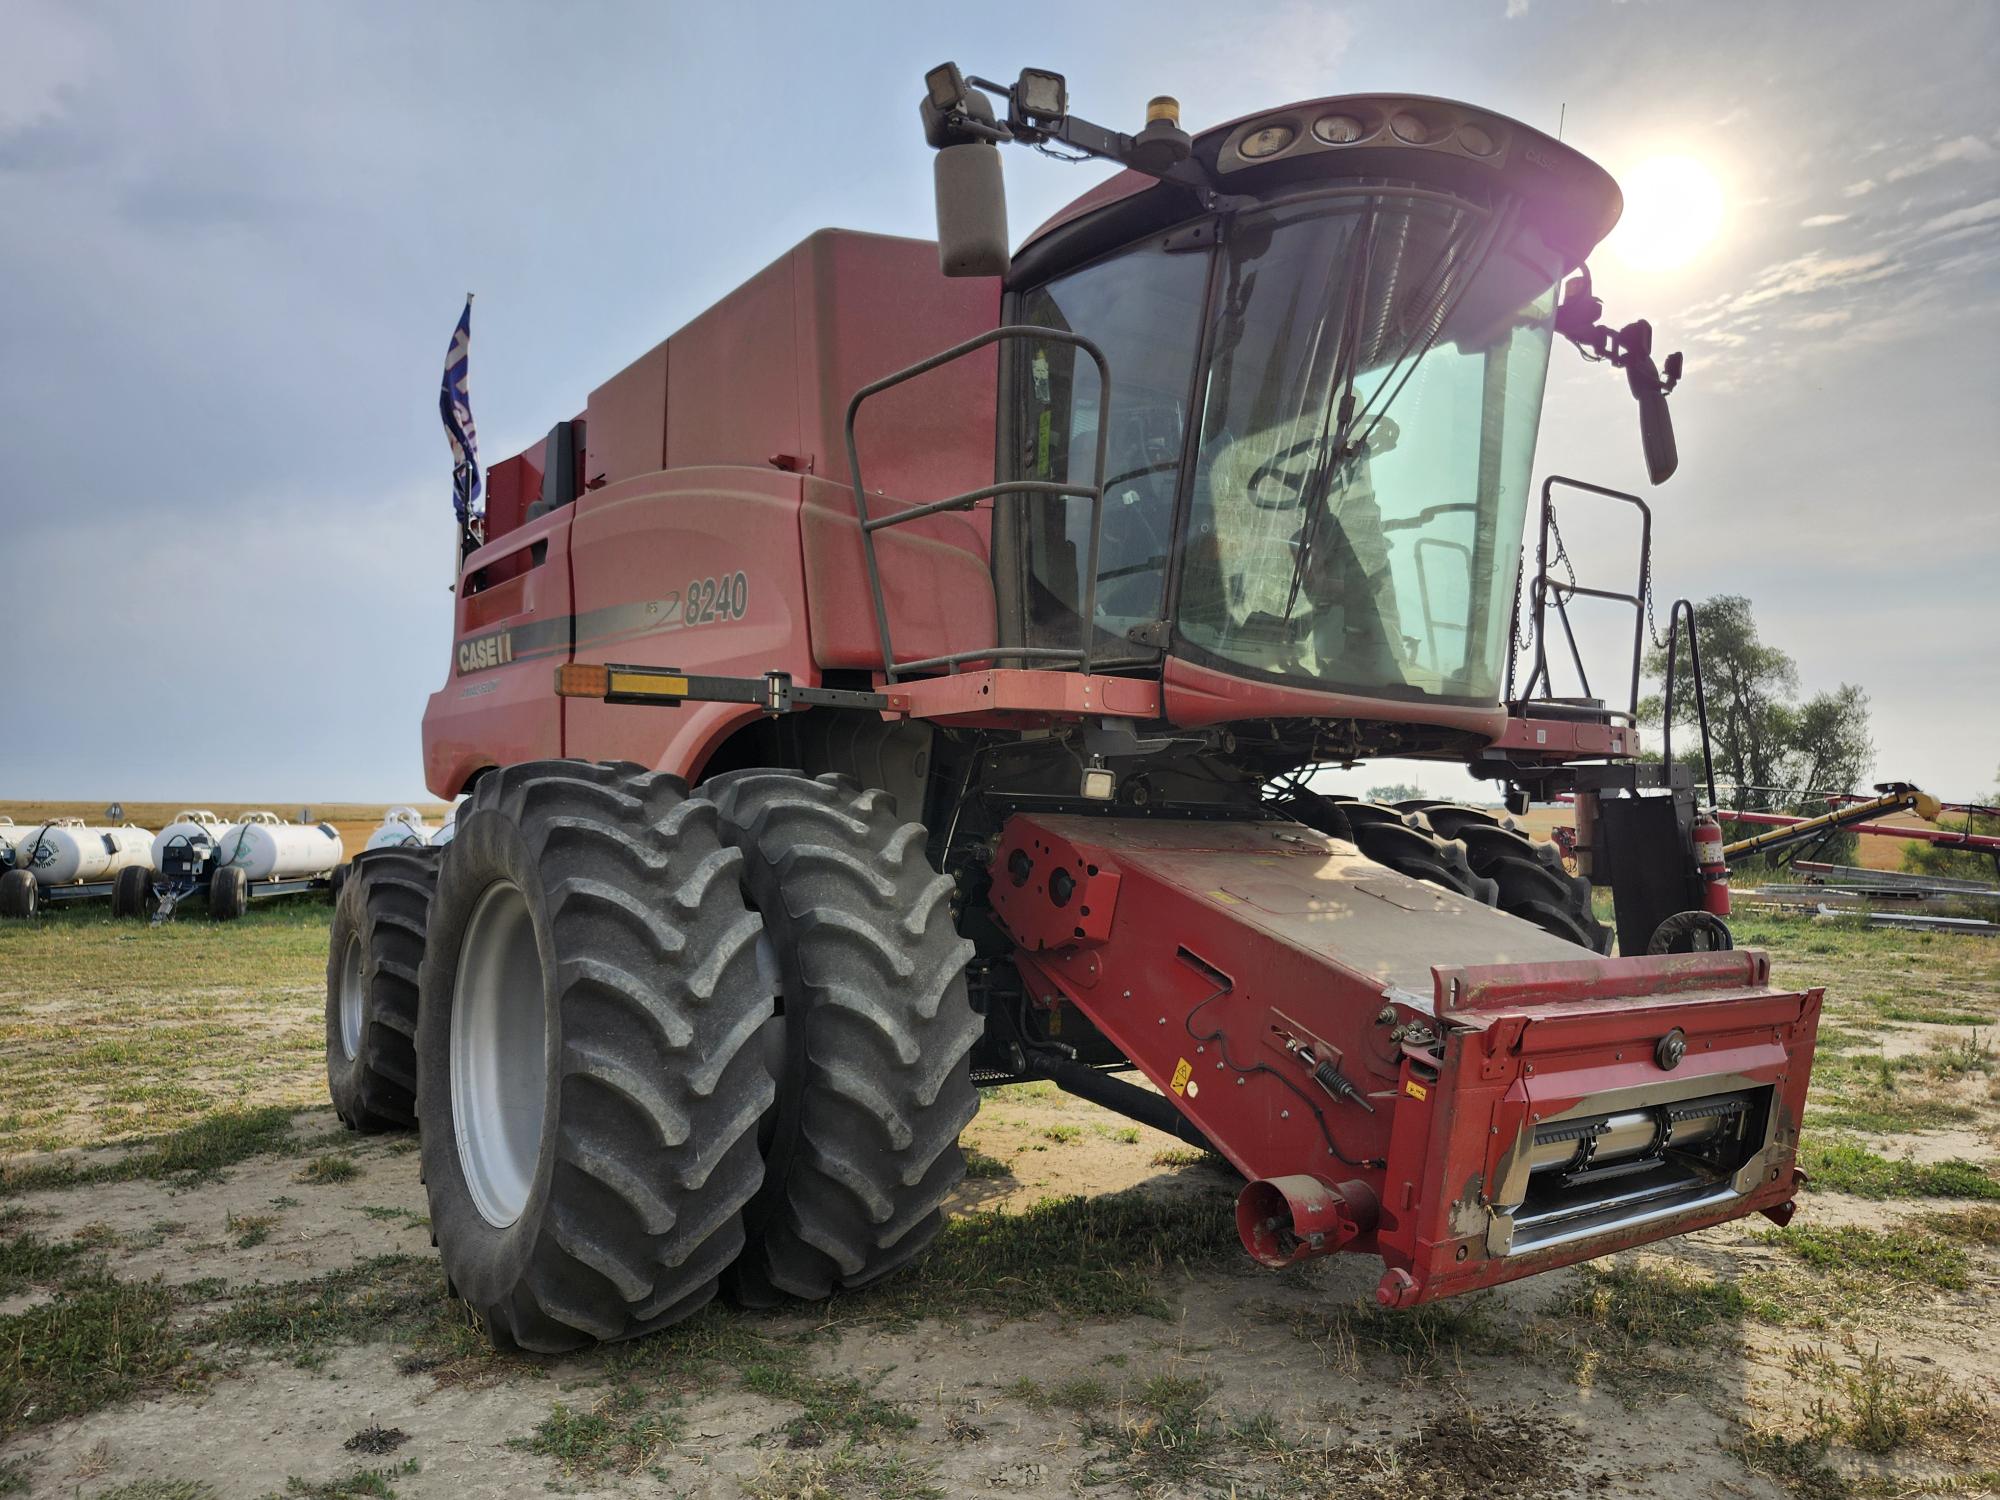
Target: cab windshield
{"x": 1362, "y": 439}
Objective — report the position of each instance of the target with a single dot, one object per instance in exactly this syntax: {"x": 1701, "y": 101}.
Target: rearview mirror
{"x": 1656, "y": 423}
{"x": 971, "y": 210}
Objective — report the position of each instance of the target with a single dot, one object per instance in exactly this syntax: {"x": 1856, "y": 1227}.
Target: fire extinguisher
{"x": 1713, "y": 865}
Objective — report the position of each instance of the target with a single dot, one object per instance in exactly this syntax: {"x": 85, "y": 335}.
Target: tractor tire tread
{"x": 865, "y": 1149}
{"x": 662, "y": 1076}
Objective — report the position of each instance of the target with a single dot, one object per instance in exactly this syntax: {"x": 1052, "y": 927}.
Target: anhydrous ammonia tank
{"x": 448, "y": 832}
{"x": 66, "y": 852}
{"x": 400, "y": 825}
{"x": 279, "y": 851}
{"x": 191, "y": 823}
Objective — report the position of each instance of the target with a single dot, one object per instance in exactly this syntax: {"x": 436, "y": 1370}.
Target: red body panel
{"x": 495, "y": 707}
{"x": 1198, "y": 948}
{"x": 721, "y": 451}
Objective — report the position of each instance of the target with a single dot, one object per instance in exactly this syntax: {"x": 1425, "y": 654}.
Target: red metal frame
{"x": 1199, "y": 948}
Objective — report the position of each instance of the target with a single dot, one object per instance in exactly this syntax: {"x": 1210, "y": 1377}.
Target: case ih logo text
{"x": 486, "y": 651}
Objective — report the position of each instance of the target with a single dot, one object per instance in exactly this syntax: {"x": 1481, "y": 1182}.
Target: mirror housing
{"x": 971, "y": 210}
{"x": 1656, "y": 422}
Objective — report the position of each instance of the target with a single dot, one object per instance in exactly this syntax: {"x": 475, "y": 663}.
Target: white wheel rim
{"x": 499, "y": 1054}
{"x": 350, "y": 999}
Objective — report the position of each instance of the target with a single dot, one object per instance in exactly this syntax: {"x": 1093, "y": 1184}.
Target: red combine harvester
{"x": 907, "y": 676}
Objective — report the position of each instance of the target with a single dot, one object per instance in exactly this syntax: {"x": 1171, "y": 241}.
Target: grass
{"x": 1110, "y": 1249}
{"x": 1877, "y": 1406}
{"x": 324, "y": 1170}
{"x": 832, "y": 1405}
{"x": 1978, "y": 1225}
{"x": 249, "y": 1230}
{"x": 1860, "y": 1260}
{"x": 130, "y": 1030}
{"x": 1167, "y": 1434}
{"x": 1836, "y": 1164}
{"x": 95, "y": 1341}
{"x": 159, "y": 1489}
{"x": 847, "y": 1473}
{"x": 26, "y": 1259}
{"x": 621, "y": 1433}
{"x": 192, "y": 1153}
{"x": 1646, "y": 1302}
{"x": 361, "y": 1484}
{"x": 1428, "y": 1343}
{"x": 1180, "y": 1156}
{"x": 980, "y": 1167}
{"x": 1079, "y": 1394}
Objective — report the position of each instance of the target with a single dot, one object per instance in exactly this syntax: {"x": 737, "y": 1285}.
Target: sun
{"x": 1673, "y": 211}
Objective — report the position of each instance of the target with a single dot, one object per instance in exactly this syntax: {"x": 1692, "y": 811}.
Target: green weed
{"x": 1838, "y": 1165}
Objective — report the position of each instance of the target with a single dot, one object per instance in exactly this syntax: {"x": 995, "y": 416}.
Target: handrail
{"x": 1684, "y": 607}
{"x": 1041, "y": 487}
{"x": 1542, "y": 589}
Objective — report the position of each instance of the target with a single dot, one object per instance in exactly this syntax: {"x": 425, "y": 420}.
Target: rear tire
{"x": 590, "y": 1054}
{"x": 374, "y": 953}
{"x": 862, "y": 1148}
{"x": 1532, "y": 880}
{"x": 228, "y": 894}
{"x": 20, "y": 894}
{"x": 131, "y": 891}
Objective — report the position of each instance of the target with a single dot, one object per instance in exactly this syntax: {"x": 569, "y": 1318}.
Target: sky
{"x": 234, "y": 239}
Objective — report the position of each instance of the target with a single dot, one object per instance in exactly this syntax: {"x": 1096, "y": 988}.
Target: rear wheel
{"x": 862, "y": 1147}
{"x": 132, "y": 891}
{"x": 1531, "y": 879}
{"x": 20, "y": 894}
{"x": 228, "y": 894}
{"x": 590, "y": 1054}
{"x": 373, "y": 956}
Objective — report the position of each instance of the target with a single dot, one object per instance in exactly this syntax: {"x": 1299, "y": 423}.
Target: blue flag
{"x": 455, "y": 405}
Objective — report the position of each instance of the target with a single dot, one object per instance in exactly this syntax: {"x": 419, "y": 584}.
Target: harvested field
{"x": 227, "y": 1296}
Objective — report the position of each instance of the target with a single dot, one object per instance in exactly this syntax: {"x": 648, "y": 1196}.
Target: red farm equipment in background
{"x": 910, "y": 675}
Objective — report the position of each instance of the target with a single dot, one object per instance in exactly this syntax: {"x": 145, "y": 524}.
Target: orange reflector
{"x": 579, "y": 679}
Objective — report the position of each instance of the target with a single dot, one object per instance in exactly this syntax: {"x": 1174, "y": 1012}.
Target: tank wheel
{"x": 590, "y": 1054}
{"x": 876, "y": 1086}
{"x": 20, "y": 894}
{"x": 132, "y": 892}
{"x": 228, "y": 894}
{"x": 373, "y": 954}
{"x": 1533, "y": 882}
{"x": 337, "y": 881}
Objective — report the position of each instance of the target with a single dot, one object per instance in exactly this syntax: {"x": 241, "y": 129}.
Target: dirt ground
{"x": 252, "y": 1308}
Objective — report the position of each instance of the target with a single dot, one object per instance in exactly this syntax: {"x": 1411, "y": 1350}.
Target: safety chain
{"x": 1646, "y": 592}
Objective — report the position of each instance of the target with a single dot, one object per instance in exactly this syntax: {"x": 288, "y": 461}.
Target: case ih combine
{"x": 907, "y": 676}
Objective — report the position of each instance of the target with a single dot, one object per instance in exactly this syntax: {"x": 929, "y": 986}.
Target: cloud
{"x": 1820, "y": 321}
{"x": 1858, "y": 189}
{"x": 1516, "y": 9}
{"x": 1823, "y": 221}
{"x": 1969, "y": 217}
{"x": 1959, "y": 148}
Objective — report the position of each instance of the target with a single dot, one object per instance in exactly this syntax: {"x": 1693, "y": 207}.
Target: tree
{"x": 1772, "y": 754}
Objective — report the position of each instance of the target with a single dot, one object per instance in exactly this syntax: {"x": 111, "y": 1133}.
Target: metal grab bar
{"x": 1683, "y": 607}
{"x": 1038, "y": 487}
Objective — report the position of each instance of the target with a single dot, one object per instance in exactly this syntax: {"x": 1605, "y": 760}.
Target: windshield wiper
{"x": 1343, "y": 446}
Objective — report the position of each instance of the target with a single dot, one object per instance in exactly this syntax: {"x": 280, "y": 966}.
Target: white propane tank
{"x": 400, "y": 825}
{"x": 449, "y": 831}
{"x": 266, "y": 849}
{"x": 189, "y": 823}
{"x": 66, "y": 851}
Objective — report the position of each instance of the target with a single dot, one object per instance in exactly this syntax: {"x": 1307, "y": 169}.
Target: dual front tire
{"x": 669, "y": 1040}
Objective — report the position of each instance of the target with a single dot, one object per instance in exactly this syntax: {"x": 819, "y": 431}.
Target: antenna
{"x": 1561, "y": 116}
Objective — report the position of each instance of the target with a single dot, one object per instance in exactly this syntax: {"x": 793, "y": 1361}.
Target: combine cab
{"x": 910, "y": 675}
